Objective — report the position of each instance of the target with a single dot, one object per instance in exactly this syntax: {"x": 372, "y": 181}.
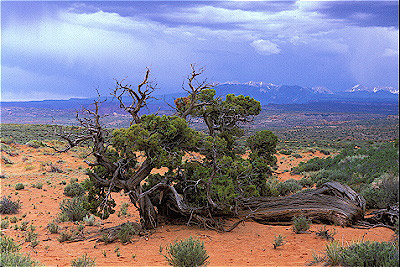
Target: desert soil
{"x": 250, "y": 244}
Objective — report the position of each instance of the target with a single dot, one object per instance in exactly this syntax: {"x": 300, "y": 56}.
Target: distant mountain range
{"x": 266, "y": 93}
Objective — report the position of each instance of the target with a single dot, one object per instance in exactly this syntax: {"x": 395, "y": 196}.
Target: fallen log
{"x": 332, "y": 203}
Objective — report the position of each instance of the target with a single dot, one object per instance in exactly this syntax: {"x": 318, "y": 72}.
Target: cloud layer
{"x": 71, "y": 48}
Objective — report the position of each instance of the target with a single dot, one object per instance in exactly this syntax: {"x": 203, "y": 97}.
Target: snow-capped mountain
{"x": 362, "y": 88}
{"x": 268, "y": 93}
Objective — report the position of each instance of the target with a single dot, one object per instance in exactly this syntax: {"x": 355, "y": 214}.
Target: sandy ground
{"x": 250, "y": 244}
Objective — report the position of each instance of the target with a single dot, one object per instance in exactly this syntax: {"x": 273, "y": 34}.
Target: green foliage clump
{"x": 73, "y": 209}
{"x": 6, "y": 160}
{"x": 301, "y": 224}
{"x": 285, "y": 152}
{"x": 382, "y": 192}
{"x": 34, "y": 143}
{"x": 7, "y": 206}
{"x": 74, "y": 190}
{"x": 127, "y": 232}
{"x": 4, "y": 224}
{"x": 38, "y": 185}
{"x": 372, "y": 170}
{"x": 278, "y": 241}
{"x": 188, "y": 252}
{"x": 19, "y": 186}
{"x": 288, "y": 187}
{"x": 306, "y": 182}
{"x": 370, "y": 254}
{"x": 297, "y": 156}
{"x": 53, "y": 228}
{"x": 83, "y": 261}
{"x": 10, "y": 255}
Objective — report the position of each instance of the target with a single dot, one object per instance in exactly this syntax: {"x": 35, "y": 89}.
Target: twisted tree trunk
{"x": 332, "y": 203}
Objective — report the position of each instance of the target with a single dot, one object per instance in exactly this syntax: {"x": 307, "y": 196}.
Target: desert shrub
{"x": 65, "y": 236}
{"x": 370, "y": 254}
{"x": 9, "y": 255}
{"x": 34, "y": 143}
{"x": 74, "y": 190}
{"x": 326, "y": 234}
{"x": 7, "y": 206}
{"x": 53, "y": 228}
{"x": 19, "y": 186}
{"x": 6, "y": 140}
{"x": 83, "y": 261}
{"x": 333, "y": 253}
{"x": 24, "y": 225}
{"x": 354, "y": 167}
{"x": 124, "y": 210}
{"x": 7, "y": 244}
{"x": 73, "y": 209}
{"x": 6, "y": 160}
{"x": 89, "y": 220}
{"x": 188, "y": 252}
{"x": 325, "y": 152}
{"x": 306, "y": 182}
{"x": 56, "y": 169}
{"x": 384, "y": 192}
{"x": 278, "y": 241}
{"x": 13, "y": 219}
{"x": 288, "y": 187}
{"x": 297, "y": 156}
{"x": 285, "y": 152}
{"x": 4, "y": 224}
{"x": 38, "y": 185}
{"x": 301, "y": 224}
{"x": 126, "y": 232}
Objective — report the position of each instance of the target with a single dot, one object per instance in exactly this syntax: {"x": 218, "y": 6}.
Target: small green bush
{"x": 73, "y": 209}
{"x": 4, "y": 224}
{"x": 333, "y": 253}
{"x": 65, "y": 236}
{"x": 89, "y": 220}
{"x": 6, "y": 160}
{"x": 278, "y": 241}
{"x": 325, "y": 152}
{"x": 188, "y": 252}
{"x": 24, "y": 226}
{"x": 13, "y": 219}
{"x": 74, "y": 190}
{"x": 297, "y": 156}
{"x": 19, "y": 186}
{"x": 370, "y": 254}
{"x": 306, "y": 182}
{"x": 53, "y": 228}
{"x": 38, "y": 185}
{"x": 9, "y": 255}
{"x": 127, "y": 231}
{"x": 7, "y": 206}
{"x": 288, "y": 187}
{"x": 326, "y": 234}
{"x": 285, "y": 152}
{"x": 7, "y": 244}
{"x": 34, "y": 143}
{"x": 83, "y": 261}
{"x": 301, "y": 224}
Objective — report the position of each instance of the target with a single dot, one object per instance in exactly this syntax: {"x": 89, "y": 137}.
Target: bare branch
{"x": 139, "y": 97}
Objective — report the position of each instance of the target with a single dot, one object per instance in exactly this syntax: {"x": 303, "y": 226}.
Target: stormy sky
{"x": 63, "y": 49}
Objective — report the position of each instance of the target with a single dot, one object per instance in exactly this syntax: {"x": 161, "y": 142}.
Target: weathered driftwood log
{"x": 331, "y": 203}
{"x": 388, "y": 216}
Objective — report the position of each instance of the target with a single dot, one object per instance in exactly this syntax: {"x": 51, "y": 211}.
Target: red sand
{"x": 250, "y": 244}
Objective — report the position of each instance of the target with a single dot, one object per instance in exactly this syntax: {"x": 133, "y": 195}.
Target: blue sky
{"x": 58, "y": 50}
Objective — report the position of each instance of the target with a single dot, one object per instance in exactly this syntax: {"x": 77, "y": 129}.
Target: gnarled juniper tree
{"x": 198, "y": 190}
